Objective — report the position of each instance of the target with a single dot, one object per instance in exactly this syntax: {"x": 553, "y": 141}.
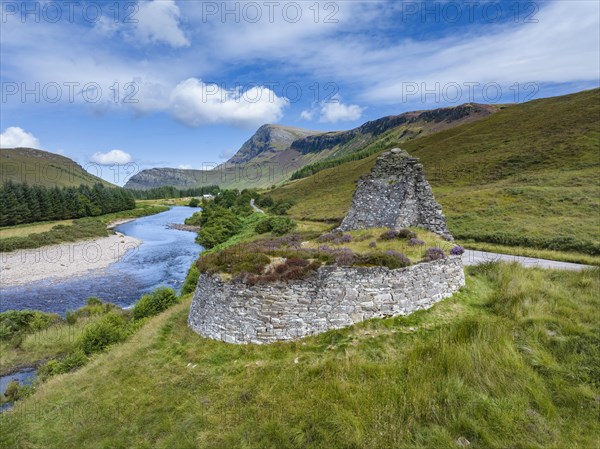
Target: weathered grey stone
{"x": 239, "y": 313}
{"x": 395, "y": 195}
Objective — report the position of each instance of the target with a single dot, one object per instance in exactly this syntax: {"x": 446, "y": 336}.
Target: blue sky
{"x": 185, "y": 83}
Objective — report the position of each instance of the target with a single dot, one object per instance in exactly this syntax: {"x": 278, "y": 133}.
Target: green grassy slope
{"x": 526, "y": 175}
{"x": 510, "y": 361}
{"x": 43, "y": 168}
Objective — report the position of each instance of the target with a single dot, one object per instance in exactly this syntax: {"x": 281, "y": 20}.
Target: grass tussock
{"x": 513, "y": 360}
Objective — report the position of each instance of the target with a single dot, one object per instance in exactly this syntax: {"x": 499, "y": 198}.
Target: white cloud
{"x": 184, "y": 166}
{"x": 333, "y": 111}
{"x": 307, "y": 115}
{"x": 112, "y": 157}
{"x": 158, "y": 21}
{"x": 14, "y": 137}
{"x": 195, "y": 103}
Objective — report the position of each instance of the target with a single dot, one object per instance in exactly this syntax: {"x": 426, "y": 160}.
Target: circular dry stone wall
{"x": 332, "y": 298}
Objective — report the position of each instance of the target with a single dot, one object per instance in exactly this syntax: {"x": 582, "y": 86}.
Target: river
{"x": 163, "y": 259}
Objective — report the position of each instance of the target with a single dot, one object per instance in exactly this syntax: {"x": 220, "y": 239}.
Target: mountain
{"x": 526, "y": 175}
{"x": 274, "y": 153}
{"x": 269, "y": 140}
{"x": 37, "y": 167}
{"x": 268, "y": 146}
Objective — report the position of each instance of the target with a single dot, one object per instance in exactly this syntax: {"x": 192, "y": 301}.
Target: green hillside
{"x": 37, "y": 167}
{"x": 526, "y": 175}
{"x": 512, "y": 361}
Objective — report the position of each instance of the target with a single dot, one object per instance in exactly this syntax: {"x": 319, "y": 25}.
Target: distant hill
{"x": 274, "y": 153}
{"x": 269, "y": 145}
{"x": 37, "y": 167}
{"x": 526, "y": 175}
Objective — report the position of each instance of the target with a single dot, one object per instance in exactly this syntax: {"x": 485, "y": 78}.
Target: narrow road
{"x": 256, "y": 209}
{"x": 472, "y": 257}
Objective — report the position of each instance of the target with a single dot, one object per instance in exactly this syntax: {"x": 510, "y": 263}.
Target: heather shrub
{"x": 434, "y": 253}
{"x": 405, "y": 261}
{"x": 416, "y": 242}
{"x": 375, "y": 259}
{"x": 372, "y": 245}
{"x": 457, "y": 250}
{"x": 327, "y": 237}
{"x": 291, "y": 269}
{"x": 336, "y": 237}
{"x": 390, "y": 234}
{"x": 406, "y": 234}
{"x": 345, "y": 257}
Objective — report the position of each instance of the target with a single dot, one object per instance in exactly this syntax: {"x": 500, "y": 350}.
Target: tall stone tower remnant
{"x": 395, "y": 195}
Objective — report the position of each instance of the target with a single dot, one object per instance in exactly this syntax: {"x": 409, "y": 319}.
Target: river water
{"x": 163, "y": 259}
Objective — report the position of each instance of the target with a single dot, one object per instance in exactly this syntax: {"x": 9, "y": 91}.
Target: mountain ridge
{"x": 275, "y": 152}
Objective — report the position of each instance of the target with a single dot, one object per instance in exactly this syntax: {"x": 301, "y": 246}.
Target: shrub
{"x": 373, "y": 245}
{"x": 67, "y": 364}
{"x": 404, "y": 261}
{"x": 391, "y": 261}
{"x": 94, "y": 306}
{"x": 263, "y": 226}
{"x": 191, "y": 279}
{"x": 276, "y": 225}
{"x": 15, "y": 322}
{"x": 457, "y": 250}
{"x": 282, "y": 225}
{"x": 291, "y": 269}
{"x": 345, "y": 257}
{"x": 327, "y": 237}
{"x": 415, "y": 242}
{"x": 16, "y": 391}
{"x": 390, "y": 234}
{"x": 281, "y": 207}
{"x": 152, "y": 304}
{"x": 194, "y": 220}
{"x": 434, "y": 253}
{"x": 70, "y": 317}
{"x": 406, "y": 234}
{"x": 335, "y": 237}
{"x": 106, "y": 331}
{"x": 194, "y": 202}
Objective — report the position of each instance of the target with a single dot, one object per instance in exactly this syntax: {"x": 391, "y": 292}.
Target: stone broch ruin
{"x": 395, "y": 194}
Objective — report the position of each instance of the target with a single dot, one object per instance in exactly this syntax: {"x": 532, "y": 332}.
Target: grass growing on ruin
{"x": 368, "y": 240}
{"x": 513, "y": 360}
